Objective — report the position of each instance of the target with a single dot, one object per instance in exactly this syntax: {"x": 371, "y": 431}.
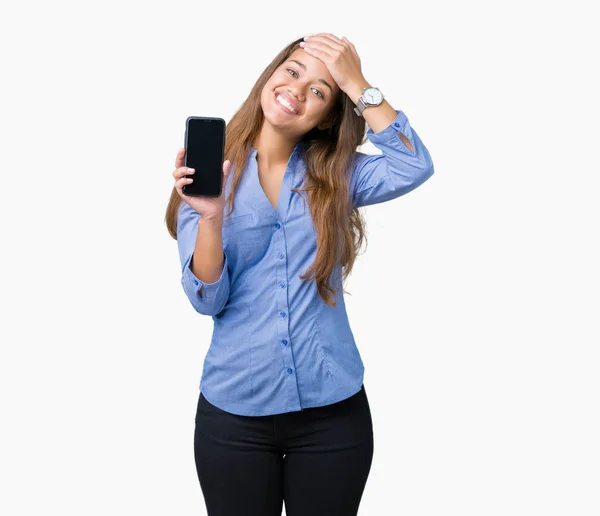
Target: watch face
{"x": 373, "y": 96}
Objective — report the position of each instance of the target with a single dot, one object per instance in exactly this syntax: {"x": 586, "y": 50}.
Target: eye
{"x": 320, "y": 94}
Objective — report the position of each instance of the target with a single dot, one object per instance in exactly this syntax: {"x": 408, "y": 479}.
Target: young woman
{"x": 282, "y": 414}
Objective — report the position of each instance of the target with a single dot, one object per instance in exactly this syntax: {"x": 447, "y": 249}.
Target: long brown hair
{"x": 329, "y": 157}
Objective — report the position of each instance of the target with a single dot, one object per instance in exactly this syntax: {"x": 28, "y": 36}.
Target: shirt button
{"x": 282, "y": 314}
{"x": 196, "y": 281}
{"x": 277, "y": 225}
{"x": 284, "y": 342}
{"x": 282, "y": 284}
{"x": 397, "y": 124}
{"x": 289, "y": 370}
{"x": 280, "y": 255}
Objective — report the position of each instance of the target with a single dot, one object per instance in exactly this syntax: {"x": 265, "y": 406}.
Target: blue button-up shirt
{"x": 276, "y": 345}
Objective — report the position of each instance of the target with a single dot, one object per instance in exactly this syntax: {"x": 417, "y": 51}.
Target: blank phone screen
{"x": 205, "y": 140}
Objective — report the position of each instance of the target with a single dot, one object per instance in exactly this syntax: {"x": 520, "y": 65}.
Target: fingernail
{"x": 191, "y": 170}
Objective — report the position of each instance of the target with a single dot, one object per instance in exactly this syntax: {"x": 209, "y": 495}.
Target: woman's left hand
{"x": 339, "y": 55}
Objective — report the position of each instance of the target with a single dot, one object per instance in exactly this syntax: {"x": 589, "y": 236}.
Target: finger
{"x": 326, "y": 35}
{"x": 319, "y": 50}
{"x": 179, "y": 157}
{"x": 334, "y": 43}
{"x": 334, "y": 40}
{"x": 187, "y": 198}
{"x": 226, "y": 170}
{"x": 180, "y": 183}
{"x": 180, "y": 172}
{"x": 351, "y": 45}
{"x": 183, "y": 171}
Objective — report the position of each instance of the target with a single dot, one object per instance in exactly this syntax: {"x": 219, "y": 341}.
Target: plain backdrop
{"x": 475, "y": 306}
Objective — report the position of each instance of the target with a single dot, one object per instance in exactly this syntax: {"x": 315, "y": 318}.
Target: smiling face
{"x": 305, "y": 86}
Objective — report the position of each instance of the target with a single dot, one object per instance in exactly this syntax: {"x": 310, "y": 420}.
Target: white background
{"x": 475, "y": 306}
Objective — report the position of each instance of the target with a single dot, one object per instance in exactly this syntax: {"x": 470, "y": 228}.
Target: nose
{"x": 294, "y": 93}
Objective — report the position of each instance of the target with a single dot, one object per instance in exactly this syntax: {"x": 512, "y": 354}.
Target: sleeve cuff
{"x": 399, "y": 124}
{"x": 207, "y": 288}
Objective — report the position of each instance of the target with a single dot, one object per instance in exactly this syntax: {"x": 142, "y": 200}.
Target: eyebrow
{"x": 302, "y": 65}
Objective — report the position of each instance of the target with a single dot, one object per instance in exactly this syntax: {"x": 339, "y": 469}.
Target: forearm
{"x": 208, "y": 259}
{"x": 378, "y": 117}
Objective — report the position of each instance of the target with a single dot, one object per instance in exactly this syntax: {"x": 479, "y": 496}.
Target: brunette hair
{"x": 329, "y": 156}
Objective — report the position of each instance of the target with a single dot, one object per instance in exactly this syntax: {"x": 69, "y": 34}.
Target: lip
{"x": 291, "y": 102}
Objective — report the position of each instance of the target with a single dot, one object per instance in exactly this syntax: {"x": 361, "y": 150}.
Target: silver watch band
{"x": 360, "y": 106}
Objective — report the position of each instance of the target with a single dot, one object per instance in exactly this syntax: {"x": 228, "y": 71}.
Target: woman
{"x": 282, "y": 414}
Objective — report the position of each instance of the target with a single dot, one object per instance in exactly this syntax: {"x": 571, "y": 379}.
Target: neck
{"x": 273, "y": 148}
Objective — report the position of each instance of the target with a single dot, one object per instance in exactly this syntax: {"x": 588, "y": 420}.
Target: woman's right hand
{"x": 209, "y": 208}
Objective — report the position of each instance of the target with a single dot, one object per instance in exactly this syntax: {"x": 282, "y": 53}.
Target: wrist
{"x": 354, "y": 91}
{"x": 211, "y": 220}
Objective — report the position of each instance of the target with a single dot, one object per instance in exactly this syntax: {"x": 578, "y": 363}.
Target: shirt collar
{"x": 295, "y": 153}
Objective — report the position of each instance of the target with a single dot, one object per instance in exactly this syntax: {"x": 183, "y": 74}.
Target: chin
{"x": 277, "y": 119}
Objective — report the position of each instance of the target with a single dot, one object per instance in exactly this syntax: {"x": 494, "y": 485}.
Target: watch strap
{"x": 361, "y": 105}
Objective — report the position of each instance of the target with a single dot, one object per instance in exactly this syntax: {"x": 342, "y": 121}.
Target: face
{"x": 302, "y": 81}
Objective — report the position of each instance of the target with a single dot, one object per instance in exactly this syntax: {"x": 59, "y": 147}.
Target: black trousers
{"x": 316, "y": 461}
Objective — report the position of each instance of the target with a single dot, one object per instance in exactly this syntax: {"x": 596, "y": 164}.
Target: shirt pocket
{"x": 245, "y": 242}
{"x": 237, "y": 219}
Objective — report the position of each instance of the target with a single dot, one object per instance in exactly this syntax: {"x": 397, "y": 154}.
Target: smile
{"x": 284, "y": 104}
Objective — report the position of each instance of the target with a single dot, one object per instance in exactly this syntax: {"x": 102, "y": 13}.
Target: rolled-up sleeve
{"x": 206, "y": 298}
{"x": 398, "y": 170}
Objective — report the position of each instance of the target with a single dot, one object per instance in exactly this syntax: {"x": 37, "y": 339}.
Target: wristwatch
{"x": 371, "y": 96}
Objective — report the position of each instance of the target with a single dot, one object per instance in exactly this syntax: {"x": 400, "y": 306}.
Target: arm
{"x": 205, "y": 273}
{"x": 405, "y": 163}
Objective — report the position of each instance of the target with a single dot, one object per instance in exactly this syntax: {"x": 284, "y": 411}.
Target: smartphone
{"x": 204, "y": 152}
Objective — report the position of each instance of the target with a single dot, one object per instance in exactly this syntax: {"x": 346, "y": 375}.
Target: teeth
{"x": 286, "y": 104}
